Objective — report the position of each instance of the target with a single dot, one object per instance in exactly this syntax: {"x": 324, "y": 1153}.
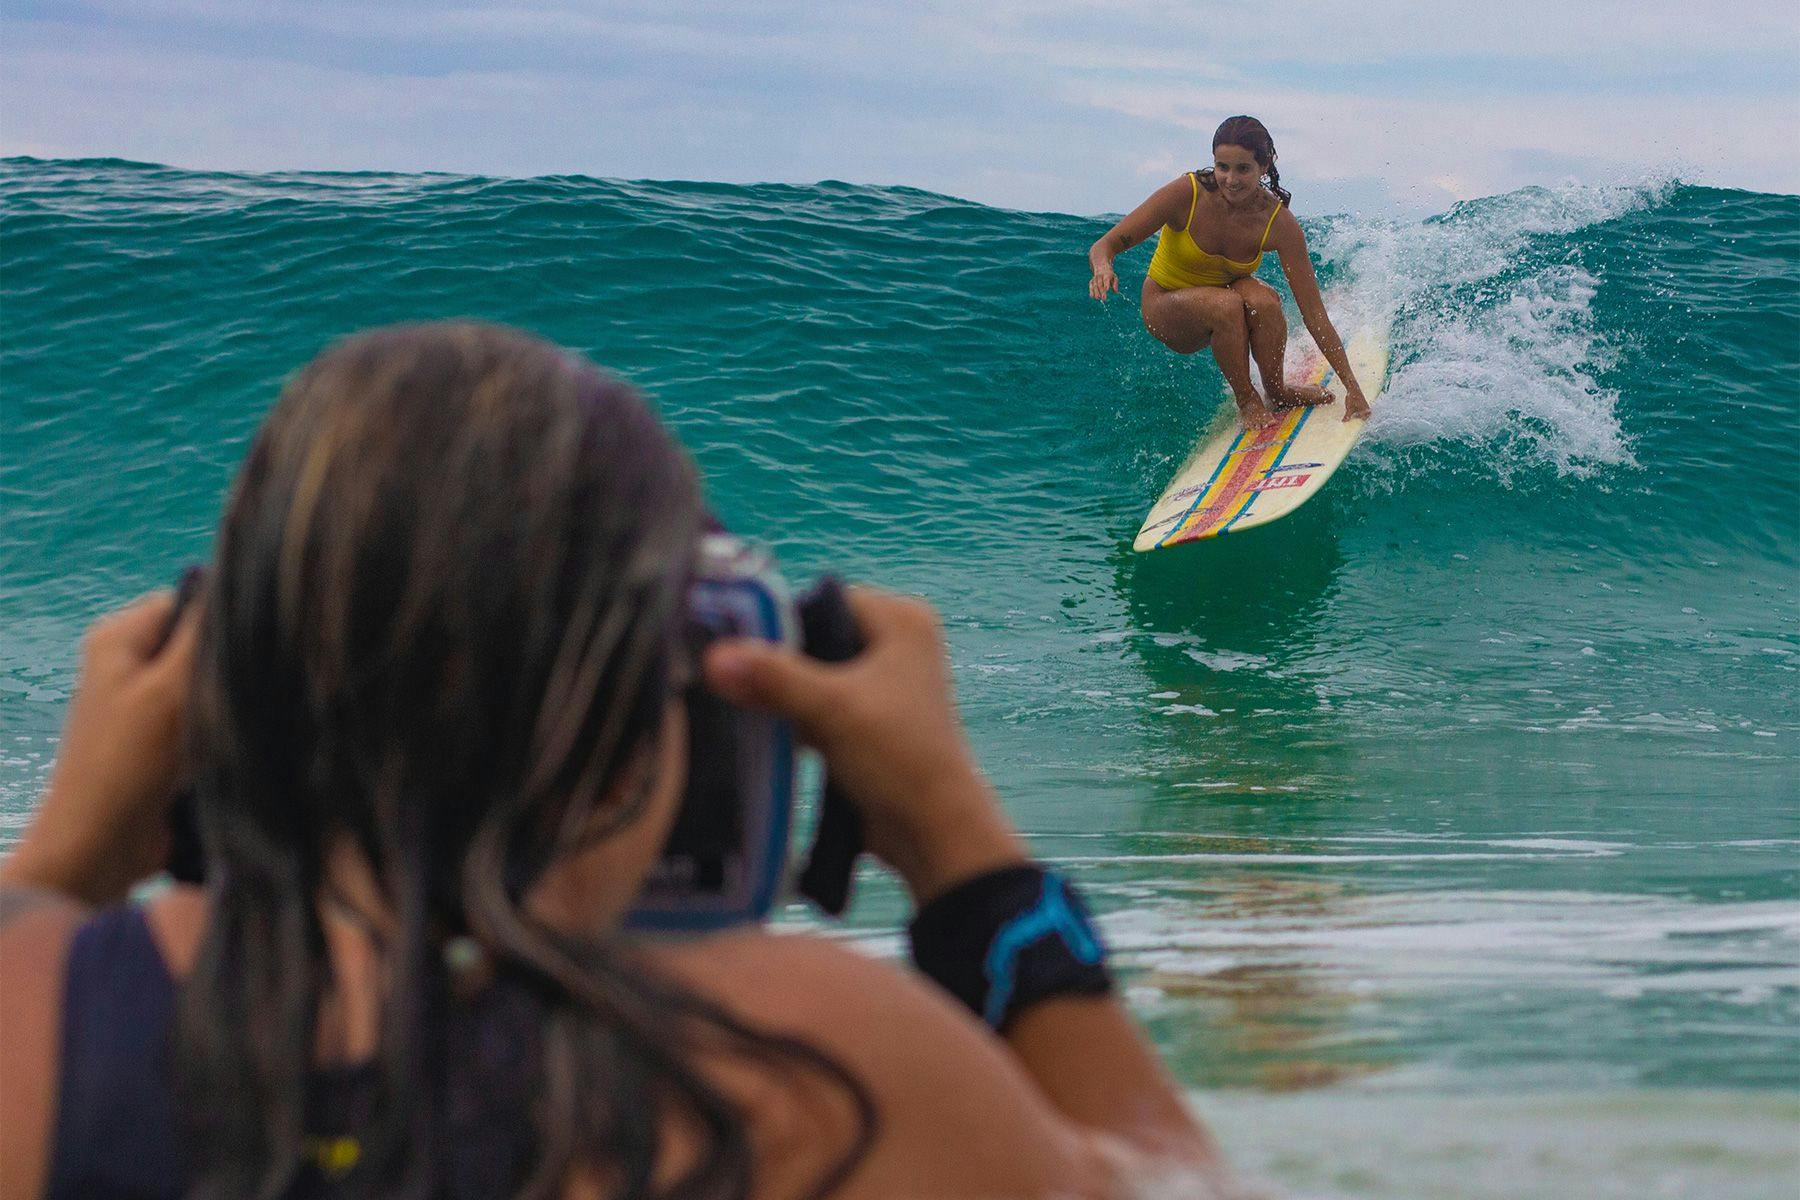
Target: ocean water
{"x": 1447, "y": 831}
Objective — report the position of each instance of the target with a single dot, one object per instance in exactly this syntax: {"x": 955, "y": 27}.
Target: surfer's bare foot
{"x": 1355, "y": 404}
{"x": 1254, "y": 413}
{"x": 1298, "y": 396}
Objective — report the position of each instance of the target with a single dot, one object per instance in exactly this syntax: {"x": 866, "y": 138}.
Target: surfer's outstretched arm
{"x": 1290, "y": 243}
{"x": 1167, "y": 204}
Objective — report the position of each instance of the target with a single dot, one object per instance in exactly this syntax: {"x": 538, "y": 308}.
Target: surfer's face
{"x": 1236, "y": 171}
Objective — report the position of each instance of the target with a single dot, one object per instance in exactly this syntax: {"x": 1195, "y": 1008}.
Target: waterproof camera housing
{"x": 727, "y": 851}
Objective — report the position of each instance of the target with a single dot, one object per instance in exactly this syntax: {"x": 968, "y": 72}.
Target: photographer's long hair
{"x": 448, "y": 600}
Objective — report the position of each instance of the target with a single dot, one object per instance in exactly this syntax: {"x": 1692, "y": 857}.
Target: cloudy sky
{"x": 1074, "y": 106}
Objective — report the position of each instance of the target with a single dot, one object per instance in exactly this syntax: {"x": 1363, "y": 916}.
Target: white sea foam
{"x": 1495, "y": 344}
{"x": 1623, "y": 1144}
{"x": 1618, "y": 946}
{"x": 1226, "y": 660}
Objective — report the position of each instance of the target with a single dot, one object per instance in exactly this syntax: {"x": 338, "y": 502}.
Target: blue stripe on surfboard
{"x": 1204, "y": 488}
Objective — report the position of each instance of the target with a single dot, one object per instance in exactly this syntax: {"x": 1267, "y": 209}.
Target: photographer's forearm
{"x": 887, "y": 726}
{"x": 934, "y": 856}
{"x": 1085, "y": 1052}
{"x": 103, "y": 823}
{"x": 46, "y": 861}
{"x": 1097, "y": 1068}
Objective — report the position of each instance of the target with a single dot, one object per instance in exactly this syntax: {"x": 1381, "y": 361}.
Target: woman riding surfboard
{"x": 1194, "y": 298}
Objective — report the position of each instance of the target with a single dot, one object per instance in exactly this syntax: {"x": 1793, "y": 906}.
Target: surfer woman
{"x": 1193, "y": 298}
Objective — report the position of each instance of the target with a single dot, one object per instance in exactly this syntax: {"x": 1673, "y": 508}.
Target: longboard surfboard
{"x": 1237, "y": 479}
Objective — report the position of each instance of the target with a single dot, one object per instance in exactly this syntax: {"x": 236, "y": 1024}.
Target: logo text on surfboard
{"x": 1279, "y": 481}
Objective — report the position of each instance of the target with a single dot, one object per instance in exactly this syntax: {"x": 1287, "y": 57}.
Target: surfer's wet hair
{"x": 1248, "y": 133}
{"x": 444, "y": 625}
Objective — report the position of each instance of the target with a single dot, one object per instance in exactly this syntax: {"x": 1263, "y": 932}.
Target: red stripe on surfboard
{"x": 1238, "y": 483}
{"x": 1287, "y": 443}
{"x": 1252, "y": 463}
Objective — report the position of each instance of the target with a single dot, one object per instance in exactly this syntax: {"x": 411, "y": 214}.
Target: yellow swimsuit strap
{"x": 1266, "y": 228}
{"x": 1193, "y": 182}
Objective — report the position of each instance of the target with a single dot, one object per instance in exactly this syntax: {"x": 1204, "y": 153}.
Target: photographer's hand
{"x": 887, "y": 725}
{"x": 103, "y": 822}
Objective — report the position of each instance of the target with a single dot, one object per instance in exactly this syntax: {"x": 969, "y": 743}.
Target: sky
{"x": 1376, "y": 106}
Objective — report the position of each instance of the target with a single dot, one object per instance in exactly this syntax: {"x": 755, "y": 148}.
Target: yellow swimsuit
{"x": 1179, "y": 262}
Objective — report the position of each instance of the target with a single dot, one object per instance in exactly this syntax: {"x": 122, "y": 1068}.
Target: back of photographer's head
{"x": 446, "y": 606}
{"x": 446, "y": 610}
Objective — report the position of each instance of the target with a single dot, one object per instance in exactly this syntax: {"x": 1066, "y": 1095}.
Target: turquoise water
{"x": 1472, "y": 784}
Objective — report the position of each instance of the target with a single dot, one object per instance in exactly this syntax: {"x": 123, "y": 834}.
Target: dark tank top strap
{"x": 116, "y": 1132}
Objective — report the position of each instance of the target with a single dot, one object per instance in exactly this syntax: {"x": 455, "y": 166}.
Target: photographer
{"x": 429, "y": 702}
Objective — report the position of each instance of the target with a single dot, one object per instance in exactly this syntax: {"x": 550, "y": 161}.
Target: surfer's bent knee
{"x": 1174, "y": 341}
{"x": 1256, "y": 294}
{"x": 1185, "y": 319}
{"x": 1221, "y": 306}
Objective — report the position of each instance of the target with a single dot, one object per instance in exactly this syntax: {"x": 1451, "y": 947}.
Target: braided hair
{"x": 1248, "y": 133}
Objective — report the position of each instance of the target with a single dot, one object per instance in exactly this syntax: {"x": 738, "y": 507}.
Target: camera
{"x": 727, "y": 854}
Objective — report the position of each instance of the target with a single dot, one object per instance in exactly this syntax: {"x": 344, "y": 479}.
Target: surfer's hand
{"x": 103, "y": 822}
{"x": 1105, "y": 280}
{"x": 1355, "y": 405}
{"x": 887, "y": 725}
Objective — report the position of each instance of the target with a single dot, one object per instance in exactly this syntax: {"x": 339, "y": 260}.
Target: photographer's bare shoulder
{"x": 956, "y": 1114}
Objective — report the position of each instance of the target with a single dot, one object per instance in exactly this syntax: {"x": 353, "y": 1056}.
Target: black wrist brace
{"x": 1006, "y": 939}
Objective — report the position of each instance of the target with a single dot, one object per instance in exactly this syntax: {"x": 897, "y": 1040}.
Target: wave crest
{"x": 1495, "y": 341}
